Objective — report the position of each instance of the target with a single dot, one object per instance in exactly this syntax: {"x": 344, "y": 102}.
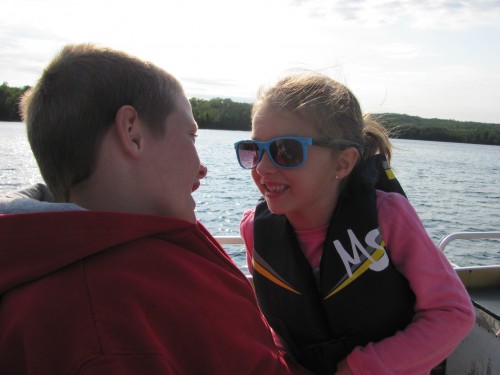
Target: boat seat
{"x": 486, "y": 299}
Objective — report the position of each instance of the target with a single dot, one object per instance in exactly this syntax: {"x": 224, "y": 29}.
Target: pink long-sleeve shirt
{"x": 443, "y": 309}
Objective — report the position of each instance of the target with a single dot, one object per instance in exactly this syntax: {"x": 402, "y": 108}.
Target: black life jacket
{"x": 358, "y": 296}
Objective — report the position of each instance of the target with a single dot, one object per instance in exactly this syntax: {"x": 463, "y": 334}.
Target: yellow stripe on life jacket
{"x": 376, "y": 255}
{"x": 388, "y": 170}
{"x": 268, "y": 275}
{"x": 390, "y": 174}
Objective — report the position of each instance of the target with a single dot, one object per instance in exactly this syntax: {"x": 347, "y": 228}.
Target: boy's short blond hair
{"x": 75, "y": 102}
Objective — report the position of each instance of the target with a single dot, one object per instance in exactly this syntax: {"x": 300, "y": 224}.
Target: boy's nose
{"x": 203, "y": 171}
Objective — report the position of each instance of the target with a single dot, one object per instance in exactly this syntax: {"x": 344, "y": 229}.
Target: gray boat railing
{"x": 235, "y": 240}
{"x": 467, "y": 236}
{"x": 229, "y": 240}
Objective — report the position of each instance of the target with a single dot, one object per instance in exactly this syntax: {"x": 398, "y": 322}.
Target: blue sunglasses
{"x": 284, "y": 152}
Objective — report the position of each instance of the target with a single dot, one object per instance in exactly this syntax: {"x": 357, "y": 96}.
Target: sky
{"x": 427, "y": 58}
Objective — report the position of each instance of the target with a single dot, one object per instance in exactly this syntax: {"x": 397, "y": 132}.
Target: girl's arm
{"x": 444, "y": 312}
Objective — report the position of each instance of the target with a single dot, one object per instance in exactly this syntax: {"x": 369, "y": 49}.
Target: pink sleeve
{"x": 444, "y": 312}
{"x": 246, "y": 232}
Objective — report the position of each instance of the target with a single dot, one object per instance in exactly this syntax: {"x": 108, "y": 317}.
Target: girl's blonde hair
{"x": 330, "y": 107}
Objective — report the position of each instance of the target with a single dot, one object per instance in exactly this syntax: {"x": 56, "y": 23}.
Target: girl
{"x": 343, "y": 269}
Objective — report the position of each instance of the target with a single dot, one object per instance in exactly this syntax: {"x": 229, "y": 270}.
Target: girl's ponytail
{"x": 376, "y": 138}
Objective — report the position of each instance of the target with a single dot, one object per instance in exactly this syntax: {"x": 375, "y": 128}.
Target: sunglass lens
{"x": 287, "y": 152}
{"x": 248, "y": 154}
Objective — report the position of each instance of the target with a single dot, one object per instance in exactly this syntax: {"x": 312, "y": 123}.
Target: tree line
{"x": 225, "y": 114}
{"x": 9, "y": 102}
{"x": 414, "y": 127}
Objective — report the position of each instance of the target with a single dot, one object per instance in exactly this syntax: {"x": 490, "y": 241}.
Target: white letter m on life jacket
{"x": 374, "y": 256}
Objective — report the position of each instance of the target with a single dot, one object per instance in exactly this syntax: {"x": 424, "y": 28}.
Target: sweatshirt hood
{"x": 33, "y": 245}
{"x": 36, "y": 198}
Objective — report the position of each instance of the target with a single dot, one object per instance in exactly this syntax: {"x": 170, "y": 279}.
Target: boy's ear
{"x": 346, "y": 161}
{"x": 130, "y": 130}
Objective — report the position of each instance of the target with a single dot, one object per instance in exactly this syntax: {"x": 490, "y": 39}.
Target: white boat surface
{"x": 479, "y": 352}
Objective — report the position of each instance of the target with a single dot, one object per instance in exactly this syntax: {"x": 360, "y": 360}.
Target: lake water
{"x": 454, "y": 187}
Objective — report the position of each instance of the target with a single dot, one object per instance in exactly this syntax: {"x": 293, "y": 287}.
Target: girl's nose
{"x": 265, "y": 165}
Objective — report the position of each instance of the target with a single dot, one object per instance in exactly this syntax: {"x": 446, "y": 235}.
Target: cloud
{"x": 399, "y": 51}
{"x": 424, "y": 14}
{"x": 23, "y": 52}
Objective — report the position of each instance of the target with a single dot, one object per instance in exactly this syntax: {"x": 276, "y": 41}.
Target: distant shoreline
{"x": 226, "y": 114}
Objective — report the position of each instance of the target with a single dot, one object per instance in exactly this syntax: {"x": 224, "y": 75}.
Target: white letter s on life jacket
{"x": 371, "y": 240}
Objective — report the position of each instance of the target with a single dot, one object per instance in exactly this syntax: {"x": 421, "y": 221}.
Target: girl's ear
{"x": 346, "y": 160}
{"x": 130, "y": 130}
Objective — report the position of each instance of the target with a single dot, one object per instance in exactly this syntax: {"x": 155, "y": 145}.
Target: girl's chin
{"x": 275, "y": 208}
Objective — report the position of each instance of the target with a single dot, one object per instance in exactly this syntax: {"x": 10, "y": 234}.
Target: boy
{"x": 117, "y": 276}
